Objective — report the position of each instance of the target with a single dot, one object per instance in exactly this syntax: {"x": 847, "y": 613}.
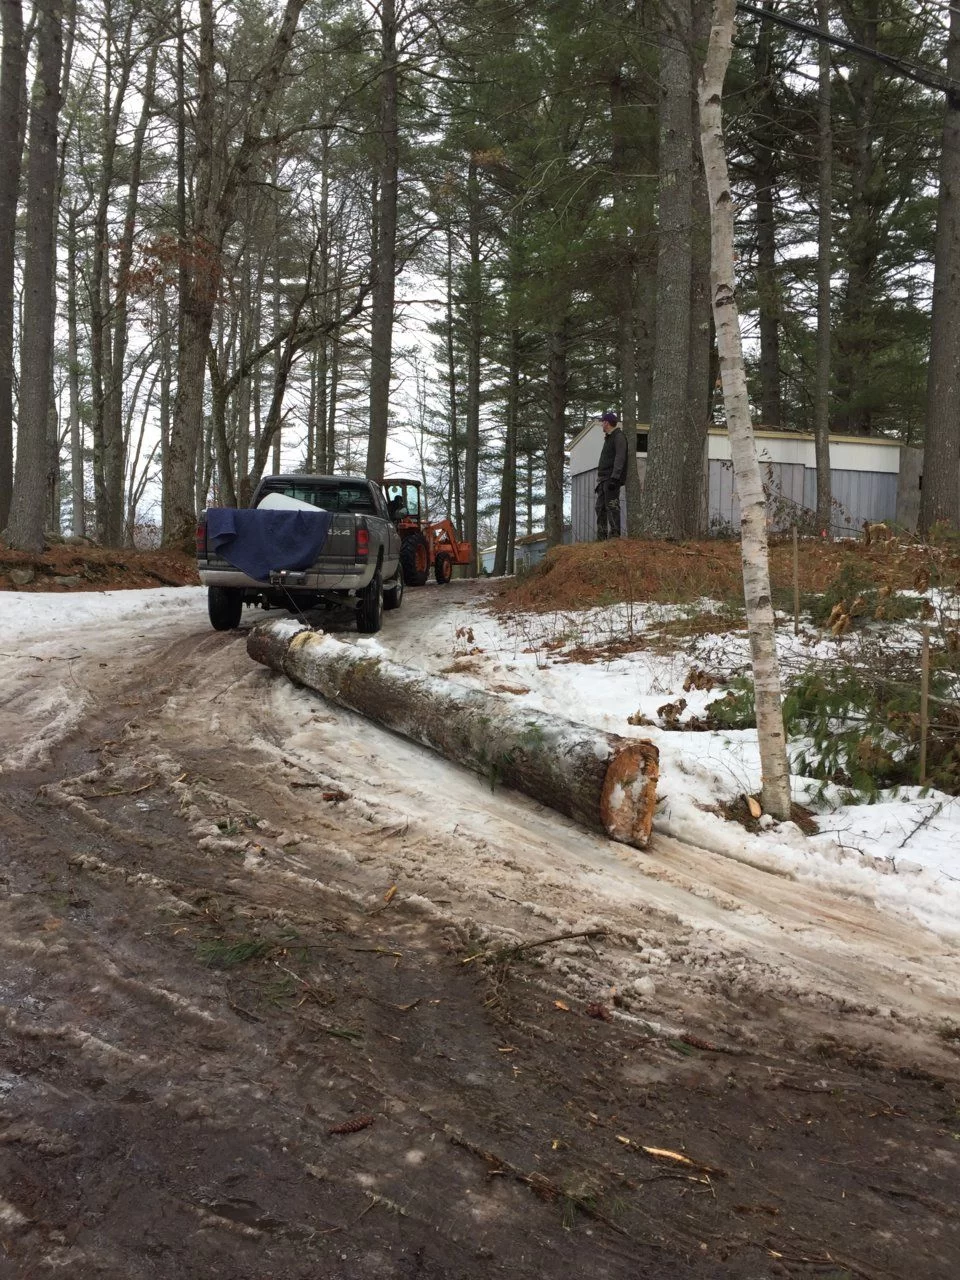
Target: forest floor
{"x": 572, "y": 577}
{"x": 81, "y": 566}
{"x": 590, "y": 574}
{"x": 282, "y": 996}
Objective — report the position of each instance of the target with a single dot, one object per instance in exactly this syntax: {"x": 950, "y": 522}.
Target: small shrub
{"x": 864, "y": 728}
{"x": 735, "y": 710}
{"x": 861, "y": 723}
{"x": 855, "y": 589}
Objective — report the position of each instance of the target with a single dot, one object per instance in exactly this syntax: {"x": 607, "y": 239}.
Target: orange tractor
{"x": 423, "y": 543}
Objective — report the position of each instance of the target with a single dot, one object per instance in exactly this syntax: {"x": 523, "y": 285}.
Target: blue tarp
{"x": 258, "y": 542}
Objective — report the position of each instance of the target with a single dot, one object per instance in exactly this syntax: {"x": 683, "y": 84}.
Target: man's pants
{"x": 608, "y": 512}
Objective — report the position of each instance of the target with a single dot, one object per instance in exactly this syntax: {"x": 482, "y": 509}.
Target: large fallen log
{"x": 604, "y": 781}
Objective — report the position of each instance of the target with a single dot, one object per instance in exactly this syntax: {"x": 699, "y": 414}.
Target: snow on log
{"x": 604, "y": 781}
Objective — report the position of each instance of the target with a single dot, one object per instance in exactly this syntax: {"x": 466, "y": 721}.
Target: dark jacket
{"x": 612, "y": 467}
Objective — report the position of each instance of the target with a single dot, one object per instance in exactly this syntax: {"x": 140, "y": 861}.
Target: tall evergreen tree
{"x": 35, "y": 462}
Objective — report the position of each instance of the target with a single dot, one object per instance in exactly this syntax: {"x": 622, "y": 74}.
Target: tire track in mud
{"x": 498, "y": 865}
{"x": 163, "y": 1117}
{"x": 504, "y": 867}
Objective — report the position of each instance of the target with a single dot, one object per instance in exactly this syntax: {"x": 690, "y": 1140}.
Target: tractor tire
{"x": 370, "y": 606}
{"x": 443, "y": 569}
{"x": 225, "y": 607}
{"x": 415, "y": 558}
{"x": 393, "y": 595}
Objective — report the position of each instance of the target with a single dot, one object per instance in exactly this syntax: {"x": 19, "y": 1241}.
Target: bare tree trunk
{"x": 31, "y": 477}
{"x": 753, "y": 508}
{"x": 627, "y": 345}
{"x": 864, "y": 237}
{"x": 197, "y": 291}
{"x": 137, "y": 480}
{"x": 53, "y": 518}
{"x": 557, "y": 394}
{"x": 626, "y": 330}
{"x": 699, "y": 381}
{"x": 319, "y": 365}
{"x": 108, "y": 496}
{"x": 455, "y": 503}
{"x": 333, "y": 394}
{"x": 664, "y": 502}
{"x": 78, "y": 518}
{"x": 214, "y": 211}
{"x": 508, "y": 484}
{"x": 765, "y": 178}
{"x": 166, "y": 376}
{"x": 13, "y": 64}
{"x": 821, "y": 392}
{"x": 218, "y": 414}
{"x": 278, "y": 434}
{"x": 311, "y": 464}
{"x": 115, "y": 459}
{"x": 474, "y": 304}
{"x": 528, "y": 492}
{"x": 385, "y": 265}
{"x": 273, "y": 423}
{"x": 940, "y": 496}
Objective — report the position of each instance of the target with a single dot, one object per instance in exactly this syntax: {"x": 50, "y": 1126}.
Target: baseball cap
{"x": 610, "y": 417}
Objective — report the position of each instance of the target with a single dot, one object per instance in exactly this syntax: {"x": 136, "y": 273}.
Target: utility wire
{"x": 912, "y": 71}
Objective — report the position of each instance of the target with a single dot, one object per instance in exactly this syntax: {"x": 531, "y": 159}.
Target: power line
{"x": 926, "y": 76}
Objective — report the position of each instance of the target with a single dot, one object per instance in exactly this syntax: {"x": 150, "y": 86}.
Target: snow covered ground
{"x": 58, "y": 652}
{"x": 54, "y": 652}
{"x": 903, "y": 850}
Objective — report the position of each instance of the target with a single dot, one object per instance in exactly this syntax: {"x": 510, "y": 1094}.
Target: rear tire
{"x": 393, "y": 595}
{"x": 370, "y": 607}
{"x": 415, "y": 558}
{"x": 443, "y": 569}
{"x": 225, "y": 607}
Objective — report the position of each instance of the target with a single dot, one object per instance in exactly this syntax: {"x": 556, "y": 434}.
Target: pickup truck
{"x": 304, "y": 541}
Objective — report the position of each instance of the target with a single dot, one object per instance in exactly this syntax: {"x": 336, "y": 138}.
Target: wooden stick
{"x": 796, "y": 582}
{"x": 924, "y": 701}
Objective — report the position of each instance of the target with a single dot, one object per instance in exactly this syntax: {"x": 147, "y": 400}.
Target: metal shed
{"x": 871, "y": 479}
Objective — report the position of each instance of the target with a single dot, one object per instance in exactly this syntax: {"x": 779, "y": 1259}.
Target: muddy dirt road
{"x": 272, "y": 1005}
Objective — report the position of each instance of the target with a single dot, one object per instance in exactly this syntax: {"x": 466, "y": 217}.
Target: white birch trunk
{"x": 775, "y": 770}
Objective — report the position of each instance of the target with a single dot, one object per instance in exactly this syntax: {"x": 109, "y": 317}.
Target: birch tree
{"x": 774, "y": 766}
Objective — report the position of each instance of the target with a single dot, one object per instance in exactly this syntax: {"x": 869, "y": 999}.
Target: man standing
{"x": 611, "y": 477}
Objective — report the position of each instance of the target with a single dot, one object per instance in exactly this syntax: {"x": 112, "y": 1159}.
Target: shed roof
{"x": 766, "y": 433}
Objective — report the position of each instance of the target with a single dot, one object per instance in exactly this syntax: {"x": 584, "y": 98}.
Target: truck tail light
{"x": 202, "y": 539}
{"x": 363, "y": 542}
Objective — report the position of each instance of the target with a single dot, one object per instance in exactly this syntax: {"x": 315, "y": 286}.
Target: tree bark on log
{"x": 603, "y": 781}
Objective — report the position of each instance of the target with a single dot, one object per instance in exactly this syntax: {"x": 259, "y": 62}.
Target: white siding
{"x": 864, "y": 478}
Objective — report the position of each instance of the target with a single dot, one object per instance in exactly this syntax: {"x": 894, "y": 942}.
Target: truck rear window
{"x": 355, "y": 498}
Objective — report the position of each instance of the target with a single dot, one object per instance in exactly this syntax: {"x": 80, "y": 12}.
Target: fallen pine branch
{"x": 545, "y": 1187}
{"x": 509, "y": 952}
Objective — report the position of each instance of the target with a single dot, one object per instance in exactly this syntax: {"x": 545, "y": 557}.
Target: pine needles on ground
{"x": 225, "y": 953}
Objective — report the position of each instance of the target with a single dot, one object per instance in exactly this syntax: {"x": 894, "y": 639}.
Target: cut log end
{"x": 629, "y": 794}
